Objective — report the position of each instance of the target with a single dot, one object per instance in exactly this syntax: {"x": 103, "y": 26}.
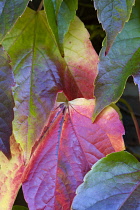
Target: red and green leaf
{"x": 81, "y": 60}
{"x": 113, "y": 183}
{"x": 36, "y": 62}
{"x": 40, "y": 72}
{"x": 67, "y": 151}
{"x": 121, "y": 62}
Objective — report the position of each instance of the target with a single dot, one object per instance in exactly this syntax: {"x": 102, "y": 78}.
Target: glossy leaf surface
{"x": 6, "y": 103}
{"x": 70, "y": 145}
{"x": 121, "y": 62}
{"x": 10, "y": 175}
{"x": 113, "y": 14}
{"x": 113, "y": 183}
{"x": 81, "y": 60}
{"x": 9, "y": 13}
{"x": 36, "y": 62}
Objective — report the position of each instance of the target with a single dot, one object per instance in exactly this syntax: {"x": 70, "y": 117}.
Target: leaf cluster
{"x": 56, "y": 117}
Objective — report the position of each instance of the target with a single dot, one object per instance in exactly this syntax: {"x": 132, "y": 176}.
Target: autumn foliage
{"x": 56, "y": 117}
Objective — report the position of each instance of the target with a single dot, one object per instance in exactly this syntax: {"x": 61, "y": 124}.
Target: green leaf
{"x": 121, "y": 62}
{"x": 51, "y": 18}
{"x": 6, "y": 103}
{"x": 58, "y": 4}
{"x": 113, "y": 14}
{"x": 19, "y": 208}
{"x": 36, "y": 62}
{"x": 113, "y": 183}
{"x": 66, "y": 14}
{"x": 9, "y": 12}
{"x": 59, "y": 16}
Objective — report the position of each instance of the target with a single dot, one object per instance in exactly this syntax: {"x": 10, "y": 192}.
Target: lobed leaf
{"x": 40, "y": 72}
{"x": 67, "y": 150}
{"x": 81, "y": 60}
{"x": 11, "y": 175}
{"x": 121, "y": 62}
{"x": 113, "y": 14}
{"x": 6, "y": 103}
{"x": 36, "y": 62}
{"x": 9, "y": 13}
{"x": 113, "y": 183}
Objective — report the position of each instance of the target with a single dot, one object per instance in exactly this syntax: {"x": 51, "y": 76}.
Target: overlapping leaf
{"x": 113, "y": 183}
{"x": 6, "y": 102}
{"x": 36, "y": 62}
{"x": 10, "y": 175}
{"x": 121, "y": 62}
{"x": 70, "y": 145}
{"x": 9, "y": 12}
{"x": 59, "y": 15}
{"x": 66, "y": 14}
{"x": 82, "y": 62}
{"x": 38, "y": 67}
{"x": 113, "y": 14}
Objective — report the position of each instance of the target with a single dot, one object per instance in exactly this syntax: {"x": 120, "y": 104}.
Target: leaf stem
{"x": 133, "y": 117}
{"x": 40, "y": 6}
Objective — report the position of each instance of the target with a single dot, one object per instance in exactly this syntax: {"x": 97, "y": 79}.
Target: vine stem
{"x": 133, "y": 117}
{"x": 40, "y": 6}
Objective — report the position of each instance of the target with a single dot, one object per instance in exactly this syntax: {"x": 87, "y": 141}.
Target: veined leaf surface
{"x": 10, "y": 175}
{"x": 113, "y": 183}
{"x": 9, "y": 13}
{"x": 113, "y": 14}
{"x": 81, "y": 60}
{"x": 121, "y": 62}
{"x": 36, "y": 62}
{"x": 70, "y": 145}
{"x": 6, "y": 103}
{"x": 40, "y": 72}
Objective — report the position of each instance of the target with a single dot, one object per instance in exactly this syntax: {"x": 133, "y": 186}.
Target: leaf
{"x": 59, "y": 16}
{"x": 11, "y": 175}
{"x": 81, "y": 60}
{"x": 6, "y": 103}
{"x": 112, "y": 15}
{"x": 66, "y": 14}
{"x": 19, "y": 208}
{"x": 67, "y": 150}
{"x": 36, "y": 62}
{"x": 49, "y": 6}
{"x": 121, "y": 62}
{"x": 9, "y": 13}
{"x": 113, "y": 183}
{"x": 38, "y": 66}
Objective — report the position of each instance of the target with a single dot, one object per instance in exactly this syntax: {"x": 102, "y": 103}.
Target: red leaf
{"x": 70, "y": 145}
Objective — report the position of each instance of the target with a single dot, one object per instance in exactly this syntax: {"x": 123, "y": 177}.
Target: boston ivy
{"x": 56, "y": 121}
